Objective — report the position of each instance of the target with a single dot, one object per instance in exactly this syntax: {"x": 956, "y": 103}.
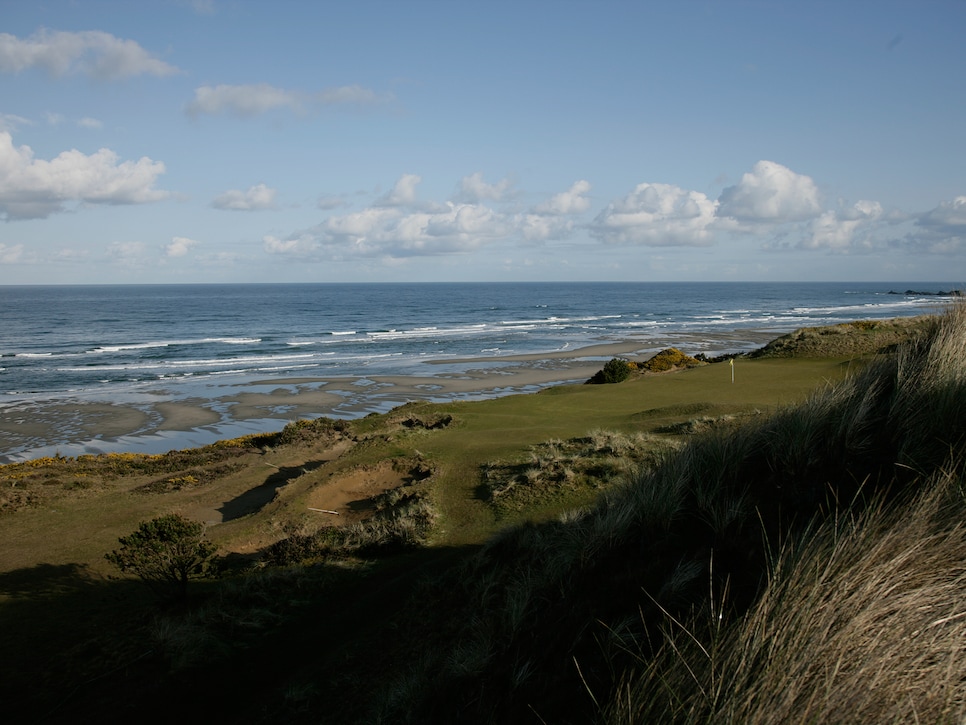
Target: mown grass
{"x": 492, "y": 430}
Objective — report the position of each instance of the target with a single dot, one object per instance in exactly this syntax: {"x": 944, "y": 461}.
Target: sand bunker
{"x": 350, "y": 494}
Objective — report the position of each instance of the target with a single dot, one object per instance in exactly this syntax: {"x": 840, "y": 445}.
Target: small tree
{"x": 165, "y": 552}
{"x": 616, "y": 370}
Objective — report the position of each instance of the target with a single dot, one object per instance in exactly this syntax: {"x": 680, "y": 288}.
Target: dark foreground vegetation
{"x": 801, "y": 564}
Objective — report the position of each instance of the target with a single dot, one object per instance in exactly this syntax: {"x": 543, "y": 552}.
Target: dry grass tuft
{"x": 864, "y": 622}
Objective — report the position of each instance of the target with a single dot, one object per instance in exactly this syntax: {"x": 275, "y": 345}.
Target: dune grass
{"x": 775, "y": 562}
{"x": 861, "y": 621}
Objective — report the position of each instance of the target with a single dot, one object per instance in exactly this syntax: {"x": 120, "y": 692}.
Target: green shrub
{"x": 617, "y": 370}
{"x": 165, "y": 553}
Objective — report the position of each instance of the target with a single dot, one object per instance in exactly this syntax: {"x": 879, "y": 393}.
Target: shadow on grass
{"x": 283, "y": 643}
{"x": 255, "y": 498}
{"x": 47, "y": 580}
{"x": 62, "y": 628}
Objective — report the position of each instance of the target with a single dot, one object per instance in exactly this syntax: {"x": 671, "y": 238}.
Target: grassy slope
{"x": 676, "y": 585}
{"x": 493, "y": 429}
{"x": 49, "y": 578}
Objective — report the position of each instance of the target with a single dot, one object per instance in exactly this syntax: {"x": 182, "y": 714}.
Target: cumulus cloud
{"x": 941, "y": 230}
{"x": 256, "y": 198}
{"x": 473, "y": 189}
{"x": 770, "y": 193}
{"x": 179, "y": 246}
{"x": 90, "y": 52}
{"x": 844, "y": 229}
{"x": 948, "y": 217}
{"x": 245, "y": 101}
{"x": 91, "y": 123}
{"x": 657, "y": 215}
{"x": 293, "y": 246}
{"x": 398, "y": 225}
{"x": 35, "y": 188}
{"x": 392, "y": 233}
{"x": 571, "y": 201}
{"x": 403, "y": 192}
{"x": 543, "y": 227}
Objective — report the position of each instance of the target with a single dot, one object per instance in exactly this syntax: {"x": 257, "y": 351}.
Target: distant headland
{"x": 911, "y": 292}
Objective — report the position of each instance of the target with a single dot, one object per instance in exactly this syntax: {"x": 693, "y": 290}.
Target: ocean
{"x": 108, "y": 343}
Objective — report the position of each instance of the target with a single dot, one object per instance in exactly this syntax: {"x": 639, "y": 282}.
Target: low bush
{"x": 616, "y": 370}
{"x": 165, "y": 553}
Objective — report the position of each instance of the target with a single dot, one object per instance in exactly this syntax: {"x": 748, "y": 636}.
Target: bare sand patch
{"x": 350, "y": 494}
{"x": 185, "y": 414}
{"x": 282, "y": 403}
{"x": 64, "y": 421}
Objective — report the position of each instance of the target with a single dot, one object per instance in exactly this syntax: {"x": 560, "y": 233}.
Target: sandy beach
{"x": 169, "y": 415}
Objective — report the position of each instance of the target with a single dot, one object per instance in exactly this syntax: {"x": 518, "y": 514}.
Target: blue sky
{"x": 236, "y": 141}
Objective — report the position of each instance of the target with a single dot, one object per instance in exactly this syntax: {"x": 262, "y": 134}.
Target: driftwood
{"x": 324, "y": 511}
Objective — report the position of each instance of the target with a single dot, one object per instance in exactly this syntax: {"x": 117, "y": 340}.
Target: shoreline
{"x": 164, "y": 415}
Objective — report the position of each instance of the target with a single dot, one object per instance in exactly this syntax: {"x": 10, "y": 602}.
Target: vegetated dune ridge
{"x": 778, "y": 566}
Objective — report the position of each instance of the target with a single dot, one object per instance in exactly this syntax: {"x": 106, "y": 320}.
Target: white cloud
{"x": 770, "y": 193}
{"x": 403, "y": 192}
{"x": 300, "y": 246}
{"x": 35, "y": 188}
{"x": 350, "y": 95}
{"x": 842, "y": 230}
{"x": 91, "y": 123}
{"x": 10, "y": 253}
{"x": 10, "y": 122}
{"x": 571, "y": 201}
{"x": 202, "y": 7}
{"x": 948, "y": 217}
{"x": 473, "y": 189}
{"x": 392, "y": 233}
{"x": 358, "y": 226}
{"x": 542, "y": 227}
{"x": 331, "y": 202}
{"x": 70, "y": 255}
{"x": 657, "y": 215}
{"x": 941, "y": 230}
{"x": 256, "y": 198}
{"x": 179, "y": 246}
{"x": 89, "y": 52}
{"x": 250, "y": 100}
{"x": 127, "y": 254}
{"x": 243, "y": 101}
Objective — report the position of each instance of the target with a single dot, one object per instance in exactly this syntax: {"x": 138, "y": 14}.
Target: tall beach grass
{"x": 787, "y": 560}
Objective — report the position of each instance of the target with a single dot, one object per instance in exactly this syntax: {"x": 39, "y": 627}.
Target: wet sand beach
{"x": 180, "y": 414}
